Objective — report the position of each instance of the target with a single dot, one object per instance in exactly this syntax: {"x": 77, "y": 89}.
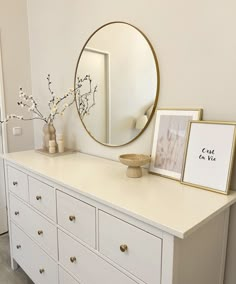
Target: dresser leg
{"x": 14, "y": 264}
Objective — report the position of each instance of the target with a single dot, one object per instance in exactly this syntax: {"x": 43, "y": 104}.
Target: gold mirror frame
{"x": 157, "y": 89}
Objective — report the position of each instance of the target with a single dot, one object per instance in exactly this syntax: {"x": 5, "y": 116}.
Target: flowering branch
{"x": 85, "y": 103}
{"x": 55, "y": 103}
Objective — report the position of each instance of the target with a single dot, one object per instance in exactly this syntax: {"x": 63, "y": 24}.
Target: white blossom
{"x": 53, "y": 110}
{"x": 56, "y": 105}
{"x": 32, "y": 107}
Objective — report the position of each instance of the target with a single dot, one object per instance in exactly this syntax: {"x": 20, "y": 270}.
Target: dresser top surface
{"x": 166, "y": 204}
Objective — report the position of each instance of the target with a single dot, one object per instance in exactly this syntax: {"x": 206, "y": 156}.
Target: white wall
{"x": 193, "y": 40}
{"x": 195, "y": 43}
{"x": 16, "y": 67}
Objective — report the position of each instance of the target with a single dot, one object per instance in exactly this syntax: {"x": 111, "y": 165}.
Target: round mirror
{"x": 117, "y": 84}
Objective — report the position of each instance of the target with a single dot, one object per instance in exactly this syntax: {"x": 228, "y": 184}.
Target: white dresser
{"x": 79, "y": 219}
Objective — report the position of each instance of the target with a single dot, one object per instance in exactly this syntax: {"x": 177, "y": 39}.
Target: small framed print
{"x": 169, "y": 140}
{"x": 209, "y": 155}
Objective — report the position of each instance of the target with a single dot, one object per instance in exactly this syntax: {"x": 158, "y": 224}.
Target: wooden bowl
{"x": 134, "y": 163}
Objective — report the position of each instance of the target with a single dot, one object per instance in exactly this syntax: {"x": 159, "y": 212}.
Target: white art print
{"x": 169, "y": 141}
{"x": 209, "y": 155}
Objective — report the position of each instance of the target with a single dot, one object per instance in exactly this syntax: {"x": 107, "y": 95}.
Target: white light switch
{"x": 17, "y": 131}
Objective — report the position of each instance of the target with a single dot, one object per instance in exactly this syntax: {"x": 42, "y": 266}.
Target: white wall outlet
{"x": 17, "y": 131}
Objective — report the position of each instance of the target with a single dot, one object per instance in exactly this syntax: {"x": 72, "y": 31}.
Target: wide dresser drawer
{"x": 78, "y": 217}
{"x": 18, "y": 183}
{"x": 132, "y": 248}
{"x": 41, "y": 230}
{"x": 42, "y": 197}
{"x": 87, "y": 266}
{"x": 36, "y": 263}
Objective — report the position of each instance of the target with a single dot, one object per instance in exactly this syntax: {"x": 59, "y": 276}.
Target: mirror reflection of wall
{"x": 95, "y": 62}
{"x": 121, "y": 63}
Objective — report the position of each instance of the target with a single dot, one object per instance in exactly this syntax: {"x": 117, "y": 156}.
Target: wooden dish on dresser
{"x": 134, "y": 163}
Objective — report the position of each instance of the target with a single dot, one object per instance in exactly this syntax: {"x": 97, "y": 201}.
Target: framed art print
{"x": 169, "y": 140}
{"x": 209, "y": 155}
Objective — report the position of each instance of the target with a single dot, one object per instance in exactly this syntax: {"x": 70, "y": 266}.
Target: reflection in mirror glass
{"x": 124, "y": 72}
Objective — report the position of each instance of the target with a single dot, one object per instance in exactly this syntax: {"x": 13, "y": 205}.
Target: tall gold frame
{"x": 157, "y": 91}
{"x": 230, "y": 162}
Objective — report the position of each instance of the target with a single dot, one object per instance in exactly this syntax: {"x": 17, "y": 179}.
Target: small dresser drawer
{"x": 87, "y": 266}
{"x": 65, "y": 278}
{"x": 42, "y": 197}
{"x": 19, "y": 213}
{"x": 77, "y": 217}
{"x": 133, "y": 249}
{"x": 18, "y": 183}
{"x": 44, "y": 232}
{"x": 40, "y": 267}
{"x": 21, "y": 249}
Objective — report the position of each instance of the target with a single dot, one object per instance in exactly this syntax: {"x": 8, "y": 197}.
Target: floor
{"x": 7, "y": 275}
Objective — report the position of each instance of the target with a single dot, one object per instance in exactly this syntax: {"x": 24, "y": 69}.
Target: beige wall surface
{"x": 16, "y": 68}
{"x": 195, "y": 44}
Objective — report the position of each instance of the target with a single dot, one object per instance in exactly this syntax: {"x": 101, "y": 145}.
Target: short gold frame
{"x": 200, "y": 116}
{"x": 157, "y": 90}
{"x": 230, "y": 162}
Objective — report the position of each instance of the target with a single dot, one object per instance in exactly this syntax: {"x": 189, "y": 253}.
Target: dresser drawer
{"x": 18, "y": 183}
{"x": 35, "y": 225}
{"x": 134, "y": 249}
{"x": 42, "y": 197}
{"x": 19, "y": 213}
{"x": 40, "y": 267}
{"x": 87, "y": 266}
{"x": 21, "y": 249}
{"x": 77, "y": 217}
{"x": 65, "y": 278}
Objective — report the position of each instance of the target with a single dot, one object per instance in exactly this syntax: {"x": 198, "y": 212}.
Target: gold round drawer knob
{"x": 41, "y": 270}
{"x": 72, "y": 259}
{"x": 18, "y": 246}
{"x": 38, "y": 197}
{"x": 123, "y": 248}
{"x": 72, "y": 218}
{"x": 40, "y": 232}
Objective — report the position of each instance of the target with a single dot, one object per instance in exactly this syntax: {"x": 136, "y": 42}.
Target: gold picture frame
{"x": 209, "y": 155}
{"x": 169, "y": 140}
